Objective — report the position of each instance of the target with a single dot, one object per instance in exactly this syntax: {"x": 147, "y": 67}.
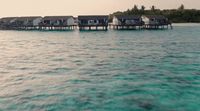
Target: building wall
{"x": 13, "y": 20}
{"x": 124, "y": 21}
{"x": 153, "y": 22}
{"x": 37, "y": 21}
{"x": 149, "y": 21}
{"x": 145, "y": 19}
{"x": 93, "y": 22}
{"x": 116, "y": 21}
{"x": 130, "y": 22}
{"x": 25, "y": 22}
{"x": 70, "y": 21}
{"x": 56, "y": 22}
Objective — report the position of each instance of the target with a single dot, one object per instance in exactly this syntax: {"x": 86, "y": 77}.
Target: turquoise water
{"x": 101, "y": 71}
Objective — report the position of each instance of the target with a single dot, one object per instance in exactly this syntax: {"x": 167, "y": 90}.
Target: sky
{"x": 83, "y": 7}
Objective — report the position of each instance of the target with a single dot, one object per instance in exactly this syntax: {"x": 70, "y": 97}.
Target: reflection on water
{"x": 100, "y": 71}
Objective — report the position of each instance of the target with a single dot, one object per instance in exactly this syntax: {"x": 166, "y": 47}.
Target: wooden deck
{"x": 157, "y": 26}
{"x": 125, "y": 27}
{"x": 140, "y": 26}
{"x": 57, "y": 27}
{"x": 93, "y": 27}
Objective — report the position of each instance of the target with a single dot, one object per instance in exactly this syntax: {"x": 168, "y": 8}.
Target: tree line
{"x": 179, "y": 15}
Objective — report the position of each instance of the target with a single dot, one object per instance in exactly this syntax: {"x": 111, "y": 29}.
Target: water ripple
{"x": 101, "y": 71}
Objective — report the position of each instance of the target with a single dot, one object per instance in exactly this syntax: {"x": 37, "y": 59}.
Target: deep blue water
{"x": 101, "y": 71}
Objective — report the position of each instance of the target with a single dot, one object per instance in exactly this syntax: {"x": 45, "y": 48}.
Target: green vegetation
{"x": 179, "y": 15}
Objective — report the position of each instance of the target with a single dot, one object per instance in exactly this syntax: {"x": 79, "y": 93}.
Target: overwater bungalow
{"x": 27, "y": 23}
{"x": 127, "y": 22}
{"x": 76, "y": 20}
{"x": 6, "y": 23}
{"x": 57, "y": 23}
{"x": 155, "y": 22}
{"x": 93, "y": 22}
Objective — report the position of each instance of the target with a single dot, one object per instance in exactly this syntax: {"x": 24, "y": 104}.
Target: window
{"x": 92, "y": 21}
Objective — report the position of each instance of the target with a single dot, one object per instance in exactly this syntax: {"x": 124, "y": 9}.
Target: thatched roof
{"x": 57, "y": 17}
{"x": 89, "y": 17}
{"x": 129, "y": 17}
{"x": 30, "y": 18}
{"x": 7, "y": 19}
{"x": 155, "y": 16}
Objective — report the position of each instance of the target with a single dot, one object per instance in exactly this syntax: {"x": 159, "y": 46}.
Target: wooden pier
{"x": 126, "y": 27}
{"x": 86, "y": 22}
{"x": 57, "y": 28}
{"x": 155, "y": 27}
{"x": 93, "y": 27}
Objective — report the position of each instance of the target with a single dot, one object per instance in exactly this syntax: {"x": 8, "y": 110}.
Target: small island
{"x": 179, "y": 15}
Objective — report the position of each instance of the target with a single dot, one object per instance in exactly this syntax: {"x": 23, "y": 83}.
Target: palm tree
{"x": 142, "y": 7}
{"x": 135, "y": 7}
{"x": 153, "y": 8}
{"x": 182, "y": 7}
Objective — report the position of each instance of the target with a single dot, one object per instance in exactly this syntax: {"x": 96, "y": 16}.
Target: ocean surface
{"x": 143, "y": 70}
